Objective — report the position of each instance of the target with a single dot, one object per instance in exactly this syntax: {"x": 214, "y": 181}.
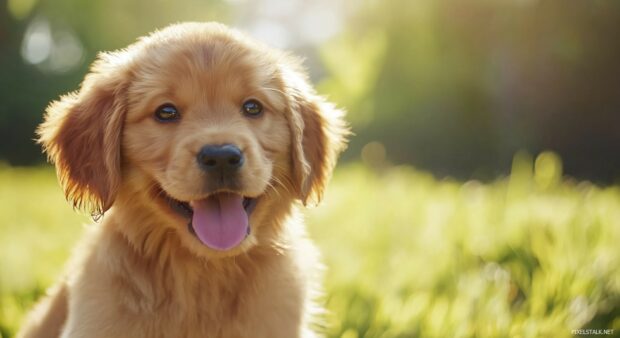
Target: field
{"x": 408, "y": 255}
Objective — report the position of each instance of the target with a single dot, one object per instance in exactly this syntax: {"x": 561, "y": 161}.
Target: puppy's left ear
{"x": 81, "y": 134}
{"x": 318, "y": 136}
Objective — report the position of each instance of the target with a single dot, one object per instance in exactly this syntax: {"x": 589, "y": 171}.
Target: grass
{"x": 530, "y": 255}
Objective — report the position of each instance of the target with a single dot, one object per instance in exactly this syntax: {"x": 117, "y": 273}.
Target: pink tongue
{"x": 220, "y": 221}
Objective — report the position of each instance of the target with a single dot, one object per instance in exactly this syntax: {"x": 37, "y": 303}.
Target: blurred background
{"x": 492, "y": 128}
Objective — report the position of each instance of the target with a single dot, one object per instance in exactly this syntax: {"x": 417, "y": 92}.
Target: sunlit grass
{"x": 37, "y": 231}
{"x": 532, "y": 255}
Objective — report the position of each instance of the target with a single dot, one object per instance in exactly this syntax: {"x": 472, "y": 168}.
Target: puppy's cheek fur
{"x": 181, "y": 176}
{"x": 146, "y": 146}
{"x": 274, "y": 142}
{"x": 256, "y": 174}
{"x": 157, "y": 153}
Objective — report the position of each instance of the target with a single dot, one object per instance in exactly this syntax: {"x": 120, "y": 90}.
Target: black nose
{"x": 225, "y": 158}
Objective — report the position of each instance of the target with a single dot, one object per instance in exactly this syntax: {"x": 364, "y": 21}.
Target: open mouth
{"x": 220, "y": 220}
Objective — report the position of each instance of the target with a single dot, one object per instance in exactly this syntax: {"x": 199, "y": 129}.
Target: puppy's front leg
{"x": 49, "y": 316}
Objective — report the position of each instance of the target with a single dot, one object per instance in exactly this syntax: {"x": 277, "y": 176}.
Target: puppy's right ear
{"x": 81, "y": 134}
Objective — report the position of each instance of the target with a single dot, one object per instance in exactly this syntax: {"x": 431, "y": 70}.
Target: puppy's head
{"x": 198, "y": 129}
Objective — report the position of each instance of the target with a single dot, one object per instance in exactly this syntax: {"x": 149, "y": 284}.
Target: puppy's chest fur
{"x": 174, "y": 294}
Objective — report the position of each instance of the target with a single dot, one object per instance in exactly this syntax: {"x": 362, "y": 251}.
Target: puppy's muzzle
{"x": 220, "y": 160}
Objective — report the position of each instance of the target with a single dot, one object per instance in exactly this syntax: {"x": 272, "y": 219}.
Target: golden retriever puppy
{"x": 195, "y": 146}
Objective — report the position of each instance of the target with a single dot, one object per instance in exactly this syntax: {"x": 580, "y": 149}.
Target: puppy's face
{"x": 206, "y": 124}
{"x": 198, "y": 129}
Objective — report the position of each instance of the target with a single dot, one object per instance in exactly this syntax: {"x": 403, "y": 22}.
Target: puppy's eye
{"x": 252, "y": 108}
{"x": 167, "y": 113}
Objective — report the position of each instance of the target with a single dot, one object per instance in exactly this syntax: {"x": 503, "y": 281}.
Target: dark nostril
{"x": 225, "y": 157}
{"x": 234, "y": 160}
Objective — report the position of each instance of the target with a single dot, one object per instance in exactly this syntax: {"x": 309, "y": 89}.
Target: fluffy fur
{"x": 140, "y": 272}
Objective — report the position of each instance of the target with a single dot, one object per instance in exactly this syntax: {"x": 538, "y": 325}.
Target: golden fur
{"x": 140, "y": 272}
